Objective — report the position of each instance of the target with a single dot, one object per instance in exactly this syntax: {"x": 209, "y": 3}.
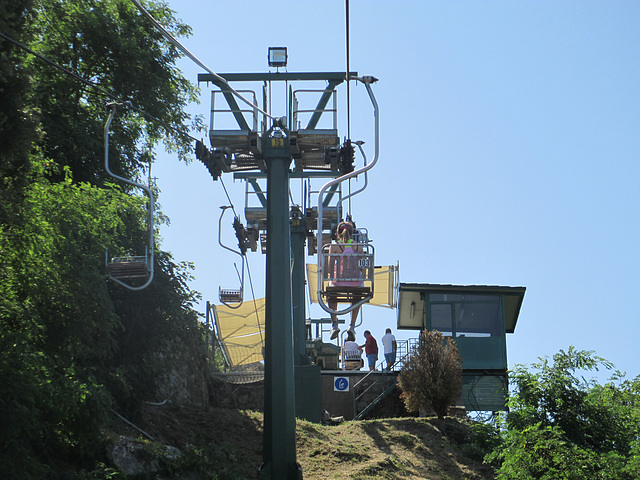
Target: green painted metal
{"x": 333, "y": 189}
{"x": 484, "y": 391}
{"x": 233, "y": 105}
{"x": 483, "y": 352}
{"x": 279, "y": 438}
{"x": 276, "y": 77}
{"x": 310, "y": 174}
{"x": 480, "y": 346}
{"x": 298, "y": 237}
{"x": 385, "y": 392}
{"x": 309, "y": 392}
{"x": 258, "y": 191}
{"x": 322, "y": 103}
{"x": 292, "y": 385}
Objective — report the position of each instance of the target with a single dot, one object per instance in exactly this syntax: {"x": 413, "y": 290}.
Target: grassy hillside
{"x": 228, "y": 443}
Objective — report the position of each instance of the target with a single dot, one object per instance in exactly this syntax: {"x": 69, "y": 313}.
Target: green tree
{"x": 109, "y": 43}
{"x": 17, "y": 123}
{"x": 72, "y": 343}
{"x": 561, "y": 425}
{"x": 431, "y": 378}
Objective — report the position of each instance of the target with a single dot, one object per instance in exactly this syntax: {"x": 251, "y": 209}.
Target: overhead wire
{"x": 348, "y": 72}
{"x": 233, "y": 208}
{"x": 191, "y": 56}
{"x": 255, "y": 304}
{"x": 96, "y": 87}
{"x": 348, "y": 84}
{"x": 118, "y": 99}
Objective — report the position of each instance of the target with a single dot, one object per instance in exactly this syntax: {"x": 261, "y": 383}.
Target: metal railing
{"x": 405, "y": 348}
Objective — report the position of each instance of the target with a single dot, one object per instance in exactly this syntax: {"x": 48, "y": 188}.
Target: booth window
{"x": 465, "y": 315}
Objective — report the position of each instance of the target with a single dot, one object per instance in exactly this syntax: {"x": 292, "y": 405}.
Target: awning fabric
{"x": 241, "y": 331}
{"x": 384, "y": 285}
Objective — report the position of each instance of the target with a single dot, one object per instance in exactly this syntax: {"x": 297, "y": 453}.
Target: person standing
{"x": 371, "y": 349}
{"x": 390, "y": 348}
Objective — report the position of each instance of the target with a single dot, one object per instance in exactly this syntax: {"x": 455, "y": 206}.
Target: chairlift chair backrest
{"x": 351, "y": 359}
{"x": 348, "y": 276}
{"x": 361, "y": 235}
{"x": 124, "y": 268}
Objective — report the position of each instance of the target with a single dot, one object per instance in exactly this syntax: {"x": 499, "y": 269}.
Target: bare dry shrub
{"x": 431, "y": 378}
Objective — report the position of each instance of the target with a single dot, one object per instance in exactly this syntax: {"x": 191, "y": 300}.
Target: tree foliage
{"x": 17, "y": 125}
{"x": 563, "y": 426}
{"x": 431, "y": 378}
{"x": 73, "y": 344}
{"x": 108, "y": 43}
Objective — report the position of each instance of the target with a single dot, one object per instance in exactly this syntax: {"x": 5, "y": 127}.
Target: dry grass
{"x": 403, "y": 448}
{"x": 408, "y": 448}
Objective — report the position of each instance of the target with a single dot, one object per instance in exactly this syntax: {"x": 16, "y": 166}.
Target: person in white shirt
{"x": 352, "y": 353}
{"x": 390, "y": 348}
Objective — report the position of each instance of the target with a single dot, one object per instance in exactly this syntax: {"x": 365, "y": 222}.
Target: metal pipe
{"x": 367, "y": 81}
{"x": 150, "y": 260}
{"x": 366, "y": 175}
{"x": 224, "y": 209}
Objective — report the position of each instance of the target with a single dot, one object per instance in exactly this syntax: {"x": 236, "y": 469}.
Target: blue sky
{"x": 509, "y": 155}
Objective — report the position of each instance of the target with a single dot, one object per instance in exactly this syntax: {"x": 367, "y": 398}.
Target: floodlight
{"x": 277, "y": 56}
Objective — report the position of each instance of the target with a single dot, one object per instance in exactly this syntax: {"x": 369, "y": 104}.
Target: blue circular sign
{"x": 341, "y": 384}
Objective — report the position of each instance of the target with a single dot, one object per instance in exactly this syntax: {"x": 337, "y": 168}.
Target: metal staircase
{"x": 386, "y": 390}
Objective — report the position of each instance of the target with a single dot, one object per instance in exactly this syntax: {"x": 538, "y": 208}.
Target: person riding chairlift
{"x": 343, "y": 247}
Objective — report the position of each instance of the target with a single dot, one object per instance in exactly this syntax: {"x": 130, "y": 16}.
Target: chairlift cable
{"x": 95, "y": 86}
{"x": 193, "y": 58}
{"x": 347, "y": 38}
{"x": 228, "y": 197}
{"x": 255, "y": 305}
{"x": 348, "y": 79}
{"x": 234, "y": 92}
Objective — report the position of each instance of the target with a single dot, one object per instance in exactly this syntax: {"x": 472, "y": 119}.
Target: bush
{"x": 431, "y": 378}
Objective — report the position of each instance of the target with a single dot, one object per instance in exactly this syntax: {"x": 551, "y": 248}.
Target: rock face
{"x": 133, "y": 457}
{"x": 185, "y": 381}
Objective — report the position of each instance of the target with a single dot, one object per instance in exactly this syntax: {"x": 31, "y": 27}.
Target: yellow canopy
{"x": 241, "y": 331}
{"x": 384, "y": 285}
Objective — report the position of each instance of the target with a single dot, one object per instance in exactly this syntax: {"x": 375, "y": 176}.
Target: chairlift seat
{"x": 352, "y": 360}
{"x": 346, "y": 294}
{"x": 230, "y": 295}
{"x": 342, "y": 269}
{"x": 128, "y": 267}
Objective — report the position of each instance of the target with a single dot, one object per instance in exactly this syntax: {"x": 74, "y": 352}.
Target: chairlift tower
{"x": 267, "y": 147}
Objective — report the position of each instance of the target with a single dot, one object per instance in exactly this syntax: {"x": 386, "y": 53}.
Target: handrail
{"x": 151, "y": 248}
{"x": 296, "y": 111}
{"x": 371, "y": 372}
{"x": 253, "y": 111}
{"x": 367, "y": 81}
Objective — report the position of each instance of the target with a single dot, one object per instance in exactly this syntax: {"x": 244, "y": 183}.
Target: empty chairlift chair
{"x": 130, "y": 267}
{"x": 232, "y": 298}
